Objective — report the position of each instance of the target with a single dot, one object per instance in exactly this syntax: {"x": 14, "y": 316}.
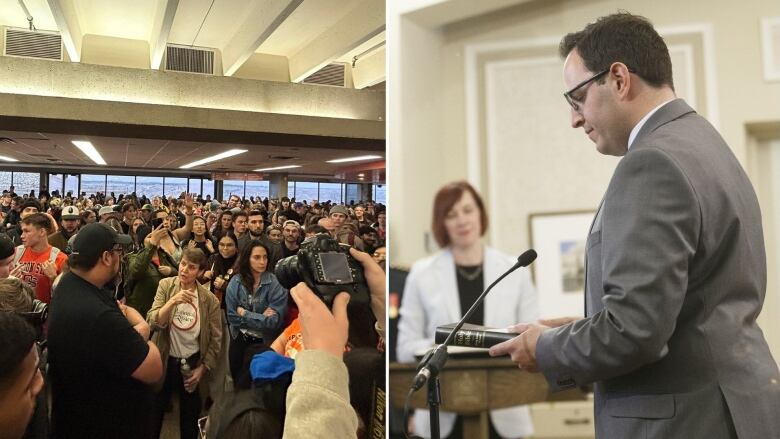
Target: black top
{"x": 287, "y": 252}
{"x": 93, "y": 352}
{"x": 470, "y": 285}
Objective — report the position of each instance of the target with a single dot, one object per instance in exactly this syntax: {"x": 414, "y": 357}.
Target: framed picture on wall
{"x": 559, "y": 271}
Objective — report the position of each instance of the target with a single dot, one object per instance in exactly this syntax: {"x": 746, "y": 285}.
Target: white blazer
{"x": 431, "y": 299}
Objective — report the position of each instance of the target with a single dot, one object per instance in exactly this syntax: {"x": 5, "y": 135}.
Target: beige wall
{"x": 264, "y": 67}
{"x": 117, "y": 52}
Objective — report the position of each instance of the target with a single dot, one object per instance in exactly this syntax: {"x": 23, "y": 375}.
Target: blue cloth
{"x": 270, "y": 293}
{"x": 269, "y": 365}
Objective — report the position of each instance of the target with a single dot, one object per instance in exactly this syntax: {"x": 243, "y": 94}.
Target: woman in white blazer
{"x": 440, "y": 288}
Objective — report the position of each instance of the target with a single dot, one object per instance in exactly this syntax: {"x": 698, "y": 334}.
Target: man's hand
{"x": 209, "y": 246}
{"x": 165, "y": 270}
{"x": 269, "y": 312}
{"x": 522, "y": 349}
{"x": 219, "y": 282}
{"x": 17, "y": 271}
{"x": 322, "y": 331}
{"x": 49, "y": 269}
{"x": 191, "y": 244}
{"x": 240, "y": 311}
{"x": 191, "y": 383}
{"x": 375, "y": 278}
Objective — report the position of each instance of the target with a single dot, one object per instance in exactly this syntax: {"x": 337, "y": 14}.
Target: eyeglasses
{"x": 575, "y": 102}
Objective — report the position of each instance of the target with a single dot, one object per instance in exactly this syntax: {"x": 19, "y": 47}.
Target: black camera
{"x": 327, "y": 268}
{"x": 37, "y": 317}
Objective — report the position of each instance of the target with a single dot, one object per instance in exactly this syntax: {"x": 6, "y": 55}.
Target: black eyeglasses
{"x": 575, "y": 102}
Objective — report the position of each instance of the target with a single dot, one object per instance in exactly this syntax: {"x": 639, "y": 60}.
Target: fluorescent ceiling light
{"x": 278, "y": 168}
{"x": 220, "y": 156}
{"x": 7, "y": 159}
{"x": 87, "y": 148}
{"x": 355, "y": 159}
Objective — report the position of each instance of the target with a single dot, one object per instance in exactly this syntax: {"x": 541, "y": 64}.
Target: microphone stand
{"x": 434, "y": 361}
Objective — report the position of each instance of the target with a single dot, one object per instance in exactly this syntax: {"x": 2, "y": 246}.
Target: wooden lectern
{"x": 473, "y": 387}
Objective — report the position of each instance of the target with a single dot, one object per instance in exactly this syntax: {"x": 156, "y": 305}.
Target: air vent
{"x": 189, "y": 59}
{"x": 281, "y": 157}
{"x": 332, "y": 74}
{"x": 40, "y": 155}
{"x": 33, "y": 44}
{"x": 7, "y": 140}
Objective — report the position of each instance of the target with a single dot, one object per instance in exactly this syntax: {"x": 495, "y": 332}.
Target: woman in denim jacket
{"x": 256, "y": 304}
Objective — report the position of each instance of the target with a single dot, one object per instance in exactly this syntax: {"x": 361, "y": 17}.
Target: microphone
{"x": 434, "y": 361}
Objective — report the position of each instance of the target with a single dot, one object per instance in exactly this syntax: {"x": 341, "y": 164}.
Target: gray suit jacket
{"x": 676, "y": 275}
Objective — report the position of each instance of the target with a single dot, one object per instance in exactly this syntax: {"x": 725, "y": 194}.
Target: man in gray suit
{"x": 675, "y": 268}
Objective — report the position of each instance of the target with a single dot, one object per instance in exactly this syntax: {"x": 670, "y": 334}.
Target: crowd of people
{"x": 135, "y": 300}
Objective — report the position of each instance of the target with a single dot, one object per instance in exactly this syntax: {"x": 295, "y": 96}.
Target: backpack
{"x": 20, "y": 252}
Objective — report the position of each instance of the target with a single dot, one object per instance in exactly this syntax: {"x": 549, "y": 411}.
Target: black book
{"x": 473, "y": 336}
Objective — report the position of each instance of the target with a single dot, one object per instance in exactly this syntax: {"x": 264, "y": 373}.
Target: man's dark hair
{"x": 626, "y": 38}
{"x": 39, "y": 220}
{"x": 366, "y": 230}
{"x": 239, "y": 214}
{"x": 16, "y": 338}
{"x": 255, "y": 213}
{"x": 316, "y": 228}
{"x": 127, "y": 206}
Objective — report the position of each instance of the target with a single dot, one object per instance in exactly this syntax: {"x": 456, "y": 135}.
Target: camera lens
{"x": 287, "y": 272}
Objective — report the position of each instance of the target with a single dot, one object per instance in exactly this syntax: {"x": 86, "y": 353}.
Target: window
{"x": 55, "y": 183}
{"x": 232, "y": 187}
{"x": 290, "y": 189}
{"x": 174, "y": 186}
{"x": 352, "y": 192}
{"x": 120, "y": 184}
{"x": 92, "y": 184}
{"x": 208, "y": 188}
{"x": 149, "y": 186}
{"x": 257, "y": 189}
{"x": 72, "y": 184}
{"x": 305, "y": 191}
{"x": 380, "y": 195}
{"x": 5, "y": 180}
{"x": 194, "y": 186}
{"x": 330, "y": 191}
{"x": 24, "y": 182}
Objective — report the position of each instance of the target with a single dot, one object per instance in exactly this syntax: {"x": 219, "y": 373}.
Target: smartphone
{"x": 156, "y": 222}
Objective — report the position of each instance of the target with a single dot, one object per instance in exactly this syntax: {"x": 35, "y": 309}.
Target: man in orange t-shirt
{"x": 38, "y": 263}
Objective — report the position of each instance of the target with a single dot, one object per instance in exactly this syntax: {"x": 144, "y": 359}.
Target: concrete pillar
{"x": 366, "y": 191}
{"x": 278, "y": 185}
{"x": 217, "y": 195}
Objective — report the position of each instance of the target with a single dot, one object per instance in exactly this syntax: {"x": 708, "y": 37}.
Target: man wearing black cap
{"x": 29, "y": 207}
{"x": 101, "y": 362}
{"x": 7, "y": 250}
